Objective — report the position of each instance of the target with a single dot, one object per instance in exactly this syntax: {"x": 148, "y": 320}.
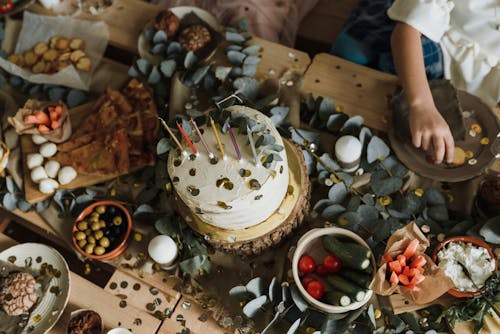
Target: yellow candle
{"x": 174, "y": 138}
{"x": 219, "y": 144}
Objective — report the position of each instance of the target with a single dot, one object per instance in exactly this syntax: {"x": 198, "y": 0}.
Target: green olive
{"x": 102, "y": 223}
{"x": 79, "y": 235}
{"x": 95, "y": 226}
{"x": 88, "y": 232}
{"x": 82, "y": 243}
{"x": 83, "y": 225}
{"x": 91, "y": 240}
{"x": 89, "y": 249}
{"x": 104, "y": 242}
{"x": 117, "y": 220}
{"x": 94, "y": 217}
{"x": 100, "y": 209}
{"x": 99, "y": 250}
{"x": 98, "y": 234}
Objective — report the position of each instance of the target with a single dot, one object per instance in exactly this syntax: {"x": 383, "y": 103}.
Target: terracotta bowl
{"x": 121, "y": 244}
{"x": 465, "y": 239}
{"x": 310, "y": 244}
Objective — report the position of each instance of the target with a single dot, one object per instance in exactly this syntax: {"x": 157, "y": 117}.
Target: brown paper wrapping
{"x": 436, "y": 282}
{"x": 57, "y": 136}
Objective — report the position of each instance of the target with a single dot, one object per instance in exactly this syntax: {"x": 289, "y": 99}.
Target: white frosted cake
{"x": 232, "y": 194}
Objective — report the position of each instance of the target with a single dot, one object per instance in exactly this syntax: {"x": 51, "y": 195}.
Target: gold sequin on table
{"x": 177, "y": 162}
{"x": 469, "y": 154}
{"x": 419, "y": 192}
{"x": 476, "y": 128}
{"x": 245, "y": 172}
{"x": 223, "y": 205}
{"x": 254, "y": 184}
{"x": 472, "y": 161}
{"x": 224, "y": 182}
{"x": 484, "y": 141}
{"x": 193, "y": 190}
{"x": 384, "y": 200}
{"x": 192, "y": 171}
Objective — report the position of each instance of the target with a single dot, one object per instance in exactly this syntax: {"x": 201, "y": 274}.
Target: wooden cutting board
{"x": 31, "y": 192}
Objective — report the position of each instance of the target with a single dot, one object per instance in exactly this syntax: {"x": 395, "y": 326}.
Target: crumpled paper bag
{"x": 57, "y": 136}
{"x": 436, "y": 282}
{"x": 39, "y": 28}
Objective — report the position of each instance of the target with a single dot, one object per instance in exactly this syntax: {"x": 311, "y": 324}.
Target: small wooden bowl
{"x": 465, "y": 239}
{"x": 122, "y": 244}
{"x": 311, "y": 244}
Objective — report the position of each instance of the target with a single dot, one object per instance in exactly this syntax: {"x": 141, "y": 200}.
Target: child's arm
{"x": 426, "y": 124}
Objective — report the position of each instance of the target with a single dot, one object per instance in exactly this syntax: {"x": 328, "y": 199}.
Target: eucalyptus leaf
{"x": 167, "y": 67}
{"x": 353, "y": 204}
{"x": 158, "y": 48}
{"x": 309, "y": 161}
{"x": 285, "y": 293}
{"x": 56, "y": 93}
{"x": 367, "y": 212}
{"x": 42, "y": 206}
{"x": 147, "y": 195}
{"x": 397, "y": 214}
{"x": 349, "y": 220}
{"x": 300, "y": 136}
{"x": 149, "y": 33}
{"x": 166, "y": 226}
{"x": 365, "y": 134}
{"x": 382, "y": 184}
{"x": 163, "y": 146}
{"x": 249, "y": 87}
{"x": 199, "y": 74}
{"x": 326, "y": 108}
{"x": 154, "y": 76}
{"x": 160, "y": 36}
{"x": 460, "y": 228}
{"x": 298, "y": 300}
{"x": 278, "y": 115}
{"x": 209, "y": 82}
{"x": 10, "y": 201}
{"x": 234, "y": 47}
{"x": 328, "y": 161}
{"x": 133, "y": 72}
{"x": 196, "y": 265}
{"x": 143, "y": 66}
{"x": 190, "y": 60}
{"x": 323, "y": 176}
{"x": 377, "y": 150}
{"x": 143, "y": 209}
{"x": 81, "y": 199}
{"x": 251, "y": 50}
{"x": 490, "y": 231}
{"x": 395, "y": 166}
{"x": 253, "y": 307}
{"x": 221, "y": 72}
{"x": 256, "y": 286}
{"x": 368, "y": 199}
{"x": 265, "y": 139}
{"x": 236, "y": 72}
{"x": 11, "y": 186}
{"x": 251, "y": 60}
{"x": 293, "y": 328}
{"x": 337, "y": 192}
{"x": 274, "y": 289}
{"x": 234, "y": 37}
{"x": 346, "y": 178}
{"x": 433, "y": 197}
{"x": 239, "y": 293}
{"x": 336, "y": 121}
{"x": 332, "y": 211}
{"x": 174, "y": 48}
{"x": 438, "y": 213}
{"x": 236, "y": 57}
{"x": 354, "y": 122}
{"x": 23, "y": 205}
{"x": 371, "y": 315}
{"x": 320, "y": 205}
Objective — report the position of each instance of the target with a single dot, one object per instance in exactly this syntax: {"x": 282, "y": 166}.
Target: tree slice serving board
{"x": 255, "y": 239}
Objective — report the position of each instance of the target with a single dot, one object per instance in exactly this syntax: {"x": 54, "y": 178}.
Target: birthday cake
{"x": 233, "y": 179}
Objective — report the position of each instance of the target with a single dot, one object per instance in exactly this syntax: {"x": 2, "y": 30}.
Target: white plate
{"x": 49, "y": 306}
{"x": 143, "y": 45}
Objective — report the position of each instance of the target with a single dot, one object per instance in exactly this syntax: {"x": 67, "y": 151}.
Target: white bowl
{"x": 143, "y": 45}
{"x": 311, "y": 244}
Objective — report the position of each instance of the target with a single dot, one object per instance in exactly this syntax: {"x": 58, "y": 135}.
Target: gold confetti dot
{"x": 339, "y": 108}
{"x": 112, "y": 192}
{"x": 419, "y": 192}
{"x": 485, "y": 141}
{"x": 343, "y": 221}
{"x": 87, "y": 269}
{"x": 377, "y": 313}
{"x": 384, "y": 200}
{"x": 138, "y": 237}
{"x": 472, "y": 161}
{"x": 469, "y": 154}
{"x": 168, "y": 186}
{"x": 476, "y": 128}
{"x": 450, "y": 198}
{"x": 335, "y": 179}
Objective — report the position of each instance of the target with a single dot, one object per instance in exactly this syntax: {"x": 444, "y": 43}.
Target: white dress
{"x": 469, "y": 35}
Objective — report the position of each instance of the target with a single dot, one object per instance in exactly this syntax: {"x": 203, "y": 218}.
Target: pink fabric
{"x": 274, "y": 20}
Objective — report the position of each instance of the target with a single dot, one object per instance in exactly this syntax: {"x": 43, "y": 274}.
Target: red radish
{"x": 388, "y": 257}
{"x": 315, "y": 289}
{"x": 394, "y": 278}
{"x": 395, "y": 266}
{"x": 403, "y": 279}
{"x": 321, "y": 270}
{"x": 42, "y": 117}
{"x": 411, "y": 249}
{"x": 419, "y": 261}
{"x": 307, "y": 264}
{"x": 402, "y": 259}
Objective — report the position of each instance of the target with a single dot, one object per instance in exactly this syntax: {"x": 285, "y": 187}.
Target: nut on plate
{"x": 77, "y": 44}
{"x": 40, "y": 48}
{"x": 18, "y": 293}
{"x": 168, "y": 22}
{"x": 194, "y": 37}
{"x": 62, "y": 43}
{"x": 84, "y": 64}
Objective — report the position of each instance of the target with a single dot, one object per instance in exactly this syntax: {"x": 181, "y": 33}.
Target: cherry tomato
{"x": 306, "y": 280}
{"x": 315, "y": 289}
{"x": 332, "y": 263}
{"x": 307, "y": 264}
{"x": 321, "y": 270}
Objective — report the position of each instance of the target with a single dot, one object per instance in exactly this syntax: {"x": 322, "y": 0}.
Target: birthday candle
{"x": 174, "y": 138}
{"x": 188, "y": 141}
{"x": 216, "y": 133}
{"x": 210, "y": 154}
{"x": 250, "y": 139}
{"x": 233, "y": 139}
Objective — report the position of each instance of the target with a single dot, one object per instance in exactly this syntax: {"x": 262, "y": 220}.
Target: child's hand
{"x": 428, "y": 128}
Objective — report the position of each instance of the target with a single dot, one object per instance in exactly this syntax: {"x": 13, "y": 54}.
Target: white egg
{"x": 48, "y": 149}
{"x": 34, "y": 160}
{"x": 66, "y": 175}
{"x": 48, "y": 186}
{"x": 38, "y": 139}
{"x": 52, "y": 168}
{"x": 38, "y": 173}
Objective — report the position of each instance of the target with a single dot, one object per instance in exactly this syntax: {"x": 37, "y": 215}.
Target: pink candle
{"x": 210, "y": 154}
{"x": 188, "y": 141}
{"x": 233, "y": 140}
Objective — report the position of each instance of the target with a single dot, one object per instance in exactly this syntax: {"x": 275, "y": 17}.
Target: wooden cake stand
{"x": 255, "y": 239}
